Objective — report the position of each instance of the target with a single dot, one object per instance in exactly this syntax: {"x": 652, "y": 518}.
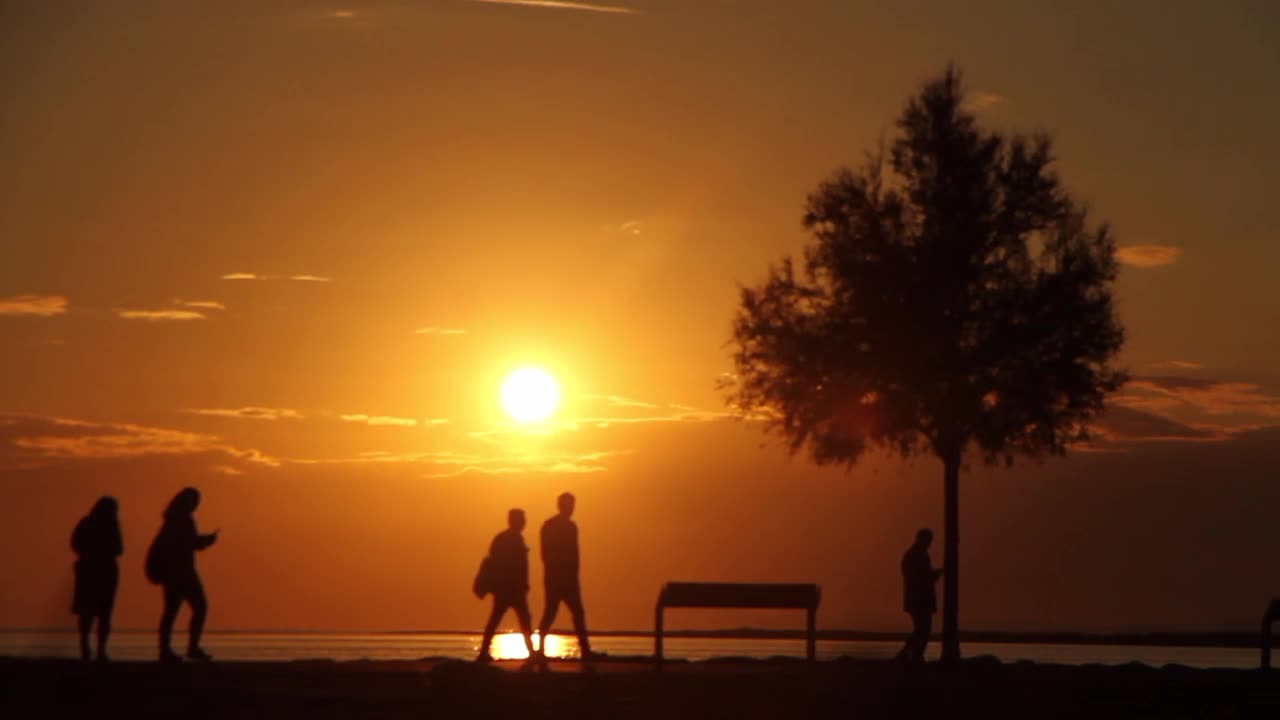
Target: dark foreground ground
{"x": 980, "y": 688}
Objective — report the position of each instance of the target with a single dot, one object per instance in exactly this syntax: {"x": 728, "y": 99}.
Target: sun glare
{"x": 530, "y": 395}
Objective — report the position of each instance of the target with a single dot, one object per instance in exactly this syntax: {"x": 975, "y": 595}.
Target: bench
{"x": 1271, "y": 616}
{"x": 738, "y": 595}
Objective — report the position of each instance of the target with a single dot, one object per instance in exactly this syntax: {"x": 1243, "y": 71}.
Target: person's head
{"x": 515, "y": 519}
{"x": 105, "y": 508}
{"x": 924, "y": 537}
{"x": 184, "y": 503}
{"x": 565, "y": 503}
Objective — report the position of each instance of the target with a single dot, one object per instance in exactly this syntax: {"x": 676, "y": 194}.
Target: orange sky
{"x": 287, "y": 251}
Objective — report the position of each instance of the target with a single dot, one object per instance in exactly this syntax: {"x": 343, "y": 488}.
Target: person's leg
{"x": 491, "y": 625}
{"x": 85, "y": 622}
{"x": 923, "y": 625}
{"x": 905, "y": 653}
{"x": 104, "y": 617}
{"x": 574, "y": 600}
{"x": 173, "y": 597}
{"x": 104, "y": 631}
{"x": 526, "y": 623}
{"x": 549, "y": 611}
{"x": 199, "y": 611}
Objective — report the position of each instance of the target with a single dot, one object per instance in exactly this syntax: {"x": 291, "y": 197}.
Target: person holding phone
{"x": 172, "y": 563}
{"x": 918, "y": 596}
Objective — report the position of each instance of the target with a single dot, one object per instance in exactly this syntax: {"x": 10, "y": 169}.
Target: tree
{"x": 954, "y": 300}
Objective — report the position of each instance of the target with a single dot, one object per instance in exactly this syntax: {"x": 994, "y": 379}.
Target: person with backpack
{"x": 171, "y": 563}
{"x": 97, "y": 543}
{"x": 505, "y": 574}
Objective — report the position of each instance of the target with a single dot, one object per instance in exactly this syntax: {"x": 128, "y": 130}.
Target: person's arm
{"x": 542, "y": 543}
{"x": 200, "y": 542}
{"x": 573, "y": 549}
{"x": 77, "y": 538}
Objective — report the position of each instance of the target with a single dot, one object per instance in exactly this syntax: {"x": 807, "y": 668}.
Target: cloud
{"x": 381, "y": 420}
{"x": 448, "y": 463}
{"x": 256, "y": 276}
{"x": 1175, "y": 365}
{"x": 630, "y": 227}
{"x": 160, "y": 315}
{"x": 619, "y": 401}
{"x": 39, "y": 305}
{"x": 248, "y": 413}
{"x": 558, "y": 5}
{"x": 28, "y": 441}
{"x": 439, "y": 331}
{"x": 981, "y": 100}
{"x": 1120, "y": 423}
{"x": 650, "y": 413}
{"x": 1200, "y": 394}
{"x": 1148, "y": 255}
{"x": 201, "y": 304}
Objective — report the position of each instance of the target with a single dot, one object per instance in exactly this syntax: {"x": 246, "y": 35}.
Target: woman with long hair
{"x": 172, "y": 563}
{"x": 97, "y": 542}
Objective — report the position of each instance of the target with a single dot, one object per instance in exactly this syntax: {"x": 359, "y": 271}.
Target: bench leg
{"x": 657, "y": 636}
{"x": 1265, "y": 642}
{"x": 811, "y": 633}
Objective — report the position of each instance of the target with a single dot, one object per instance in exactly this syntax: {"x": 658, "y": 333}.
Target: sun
{"x": 530, "y": 395}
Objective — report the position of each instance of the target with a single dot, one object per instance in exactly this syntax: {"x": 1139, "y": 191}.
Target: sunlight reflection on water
{"x": 510, "y": 646}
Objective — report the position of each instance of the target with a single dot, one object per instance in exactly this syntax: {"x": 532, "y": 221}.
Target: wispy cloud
{"x": 448, "y": 463}
{"x": 39, "y": 305}
{"x": 1212, "y": 397}
{"x": 248, "y": 413}
{"x": 558, "y": 5}
{"x": 202, "y": 304}
{"x": 620, "y": 401}
{"x": 160, "y": 315}
{"x": 630, "y": 227}
{"x": 32, "y": 441}
{"x": 1148, "y": 255}
{"x": 1175, "y": 365}
{"x": 981, "y": 100}
{"x": 1120, "y": 423}
{"x": 380, "y": 420}
{"x": 257, "y": 276}
{"x": 439, "y": 331}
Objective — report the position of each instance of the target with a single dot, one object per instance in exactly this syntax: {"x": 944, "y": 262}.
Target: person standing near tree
{"x": 918, "y": 596}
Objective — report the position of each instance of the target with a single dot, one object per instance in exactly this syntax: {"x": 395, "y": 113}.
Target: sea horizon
{"x": 301, "y": 645}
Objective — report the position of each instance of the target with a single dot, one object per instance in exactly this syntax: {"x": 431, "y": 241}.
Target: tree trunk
{"x": 951, "y": 559}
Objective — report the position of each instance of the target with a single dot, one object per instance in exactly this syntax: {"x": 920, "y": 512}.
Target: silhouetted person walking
{"x": 171, "y": 562}
{"x": 918, "y": 596}
{"x": 560, "y": 574}
{"x": 507, "y": 577}
{"x": 96, "y": 540}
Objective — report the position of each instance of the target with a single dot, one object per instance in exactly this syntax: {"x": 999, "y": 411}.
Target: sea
{"x": 348, "y": 646}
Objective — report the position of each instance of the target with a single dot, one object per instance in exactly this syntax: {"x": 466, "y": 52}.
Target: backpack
{"x": 483, "y": 584}
{"x": 158, "y": 558}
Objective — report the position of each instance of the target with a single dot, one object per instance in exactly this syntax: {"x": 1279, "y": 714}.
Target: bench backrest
{"x": 739, "y": 595}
